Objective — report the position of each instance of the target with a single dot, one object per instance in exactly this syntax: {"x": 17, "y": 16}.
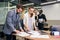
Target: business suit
{"x": 12, "y": 23}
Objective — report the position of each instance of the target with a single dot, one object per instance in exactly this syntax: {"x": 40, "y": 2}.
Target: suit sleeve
{"x": 9, "y": 21}
{"x": 44, "y": 18}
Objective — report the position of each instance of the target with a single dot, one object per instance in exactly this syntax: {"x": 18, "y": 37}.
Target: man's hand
{"x": 22, "y": 30}
{"x": 17, "y": 31}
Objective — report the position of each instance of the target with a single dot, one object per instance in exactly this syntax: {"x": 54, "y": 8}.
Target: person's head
{"x": 36, "y": 11}
{"x": 40, "y": 11}
{"x": 19, "y": 8}
{"x": 31, "y": 10}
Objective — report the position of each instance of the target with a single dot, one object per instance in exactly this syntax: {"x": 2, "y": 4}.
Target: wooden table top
{"x": 50, "y": 37}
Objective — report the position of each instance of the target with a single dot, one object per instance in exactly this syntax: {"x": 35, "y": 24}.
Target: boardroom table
{"x": 51, "y": 37}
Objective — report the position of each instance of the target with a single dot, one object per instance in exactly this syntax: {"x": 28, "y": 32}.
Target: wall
{"x": 52, "y": 12}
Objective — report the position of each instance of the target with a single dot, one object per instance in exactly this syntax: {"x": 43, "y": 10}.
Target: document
{"x": 39, "y": 36}
{"x": 34, "y": 33}
{"x": 44, "y": 36}
{"x": 23, "y": 34}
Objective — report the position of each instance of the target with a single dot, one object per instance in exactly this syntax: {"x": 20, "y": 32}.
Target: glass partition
{"x": 4, "y": 8}
{"x": 3, "y": 11}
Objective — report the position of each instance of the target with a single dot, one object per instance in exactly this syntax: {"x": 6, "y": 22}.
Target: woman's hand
{"x": 36, "y": 29}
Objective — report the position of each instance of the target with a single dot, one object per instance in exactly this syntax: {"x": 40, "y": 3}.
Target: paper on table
{"x": 34, "y": 32}
{"x": 39, "y": 36}
{"x": 35, "y": 36}
{"x": 23, "y": 34}
{"x": 44, "y": 36}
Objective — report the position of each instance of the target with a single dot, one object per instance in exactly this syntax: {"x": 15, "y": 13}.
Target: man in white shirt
{"x": 29, "y": 20}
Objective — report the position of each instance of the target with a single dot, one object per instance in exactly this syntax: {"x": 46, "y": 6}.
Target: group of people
{"x": 18, "y": 20}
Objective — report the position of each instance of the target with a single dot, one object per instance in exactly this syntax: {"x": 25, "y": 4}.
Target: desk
{"x": 50, "y": 37}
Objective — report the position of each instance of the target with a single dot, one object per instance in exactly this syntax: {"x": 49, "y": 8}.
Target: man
{"x": 12, "y": 24}
{"x": 41, "y": 20}
{"x": 29, "y": 20}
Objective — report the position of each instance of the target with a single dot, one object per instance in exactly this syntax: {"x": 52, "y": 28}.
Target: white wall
{"x": 52, "y": 12}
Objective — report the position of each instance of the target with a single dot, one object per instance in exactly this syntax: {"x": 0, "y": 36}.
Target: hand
{"x": 27, "y": 29}
{"x": 36, "y": 29}
{"x": 17, "y": 31}
{"x": 22, "y": 30}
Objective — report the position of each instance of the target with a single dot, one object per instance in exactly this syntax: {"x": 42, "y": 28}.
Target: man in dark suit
{"x": 13, "y": 23}
{"x": 41, "y": 20}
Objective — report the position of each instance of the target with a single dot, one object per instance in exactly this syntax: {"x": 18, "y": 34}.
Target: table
{"x": 50, "y": 37}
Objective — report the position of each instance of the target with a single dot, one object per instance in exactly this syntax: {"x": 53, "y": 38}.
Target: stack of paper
{"x": 23, "y": 34}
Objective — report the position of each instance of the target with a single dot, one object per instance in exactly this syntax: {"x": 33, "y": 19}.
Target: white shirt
{"x": 29, "y": 21}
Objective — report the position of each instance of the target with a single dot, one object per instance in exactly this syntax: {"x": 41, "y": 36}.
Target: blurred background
{"x": 51, "y": 8}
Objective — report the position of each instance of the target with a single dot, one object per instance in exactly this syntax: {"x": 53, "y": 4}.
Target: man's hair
{"x": 31, "y": 7}
{"x": 19, "y": 6}
{"x": 40, "y": 11}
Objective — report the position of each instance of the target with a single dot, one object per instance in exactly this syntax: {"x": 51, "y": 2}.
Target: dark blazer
{"x": 42, "y": 16}
{"x": 41, "y": 25}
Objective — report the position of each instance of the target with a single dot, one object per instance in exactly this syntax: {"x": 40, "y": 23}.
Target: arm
{"x": 34, "y": 24}
{"x": 9, "y": 21}
{"x": 25, "y": 23}
{"x": 20, "y": 27}
{"x": 45, "y": 18}
{"x": 35, "y": 27}
{"x": 20, "y": 22}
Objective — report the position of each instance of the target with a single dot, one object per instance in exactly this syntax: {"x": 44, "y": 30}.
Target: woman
{"x": 22, "y": 17}
{"x": 29, "y": 20}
